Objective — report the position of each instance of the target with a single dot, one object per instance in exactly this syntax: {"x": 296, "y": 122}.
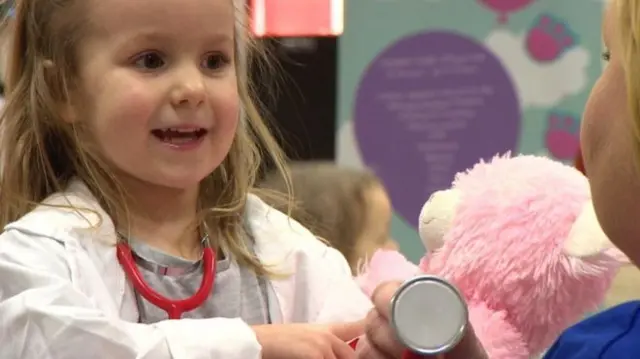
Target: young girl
{"x": 347, "y": 207}
{"x": 611, "y": 147}
{"x": 122, "y": 129}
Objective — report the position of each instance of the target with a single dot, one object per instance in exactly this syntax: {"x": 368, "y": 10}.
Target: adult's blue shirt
{"x": 611, "y": 334}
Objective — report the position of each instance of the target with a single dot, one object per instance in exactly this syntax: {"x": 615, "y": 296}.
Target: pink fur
{"x": 504, "y": 252}
{"x": 384, "y": 266}
{"x": 496, "y": 333}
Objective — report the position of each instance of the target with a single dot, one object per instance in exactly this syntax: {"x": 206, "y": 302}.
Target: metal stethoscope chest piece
{"x": 429, "y": 315}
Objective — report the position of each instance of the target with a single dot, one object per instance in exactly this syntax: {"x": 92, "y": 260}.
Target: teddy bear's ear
{"x": 586, "y": 237}
{"x": 437, "y": 216}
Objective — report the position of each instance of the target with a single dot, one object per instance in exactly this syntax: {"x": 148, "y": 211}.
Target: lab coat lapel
{"x": 99, "y": 243}
{"x": 273, "y": 253}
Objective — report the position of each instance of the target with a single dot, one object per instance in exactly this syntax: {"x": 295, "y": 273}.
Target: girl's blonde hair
{"x": 330, "y": 200}
{"x": 40, "y": 153}
{"x": 628, "y": 29}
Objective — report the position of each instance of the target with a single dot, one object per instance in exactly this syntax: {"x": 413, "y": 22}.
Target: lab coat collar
{"x": 74, "y": 217}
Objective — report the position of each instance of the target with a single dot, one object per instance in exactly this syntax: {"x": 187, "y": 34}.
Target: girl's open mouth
{"x": 178, "y": 136}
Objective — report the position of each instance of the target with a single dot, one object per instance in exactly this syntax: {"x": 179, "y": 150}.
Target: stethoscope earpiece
{"x": 429, "y": 315}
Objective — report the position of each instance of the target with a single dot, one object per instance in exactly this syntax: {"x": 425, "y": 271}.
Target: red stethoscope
{"x": 174, "y": 307}
{"x": 435, "y": 329}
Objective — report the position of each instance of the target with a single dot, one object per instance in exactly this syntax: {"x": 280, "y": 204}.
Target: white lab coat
{"x": 63, "y": 294}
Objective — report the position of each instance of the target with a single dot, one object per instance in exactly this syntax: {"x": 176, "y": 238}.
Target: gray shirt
{"x": 237, "y": 293}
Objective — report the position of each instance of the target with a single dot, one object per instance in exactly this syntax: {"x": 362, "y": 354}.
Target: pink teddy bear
{"x": 519, "y": 238}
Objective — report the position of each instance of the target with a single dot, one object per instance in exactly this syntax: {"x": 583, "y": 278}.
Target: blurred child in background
{"x": 6, "y": 31}
{"x": 347, "y": 207}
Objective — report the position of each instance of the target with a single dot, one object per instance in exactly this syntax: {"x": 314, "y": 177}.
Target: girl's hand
{"x": 307, "y": 341}
{"x": 381, "y": 341}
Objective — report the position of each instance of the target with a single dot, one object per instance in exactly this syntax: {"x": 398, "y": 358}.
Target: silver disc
{"x": 429, "y": 315}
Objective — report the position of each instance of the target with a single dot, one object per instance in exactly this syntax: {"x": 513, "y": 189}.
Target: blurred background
{"x": 417, "y": 90}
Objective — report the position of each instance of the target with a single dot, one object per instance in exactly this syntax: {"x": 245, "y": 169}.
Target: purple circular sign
{"x": 429, "y": 106}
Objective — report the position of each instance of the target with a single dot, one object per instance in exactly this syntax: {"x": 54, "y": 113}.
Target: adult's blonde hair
{"x": 40, "y": 153}
{"x": 628, "y": 30}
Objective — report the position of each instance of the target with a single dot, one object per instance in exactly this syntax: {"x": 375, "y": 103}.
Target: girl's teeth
{"x": 179, "y": 136}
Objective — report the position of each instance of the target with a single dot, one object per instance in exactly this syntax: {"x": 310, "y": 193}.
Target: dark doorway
{"x": 304, "y": 107}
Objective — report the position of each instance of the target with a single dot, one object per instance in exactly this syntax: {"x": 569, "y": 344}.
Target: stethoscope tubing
{"x": 174, "y": 308}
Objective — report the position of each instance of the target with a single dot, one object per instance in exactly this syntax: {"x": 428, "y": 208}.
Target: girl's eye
{"x": 215, "y": 61}
{"x": 606, "y": 55}
{"x": 150, "y": 61}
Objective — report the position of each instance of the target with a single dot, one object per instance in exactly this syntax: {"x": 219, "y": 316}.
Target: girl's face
{"x": 608, "y": 148}
{"x": 158, "y": 87}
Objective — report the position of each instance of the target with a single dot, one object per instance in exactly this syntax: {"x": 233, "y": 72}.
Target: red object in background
{"x": 579, "y": 162}
{"x": 297, "y": 18}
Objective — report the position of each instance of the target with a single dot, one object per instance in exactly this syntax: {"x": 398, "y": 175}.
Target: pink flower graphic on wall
{"x": 504, "y": 7}
{"x": 562, "y": 136}
{"x": 549, "y": 38}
